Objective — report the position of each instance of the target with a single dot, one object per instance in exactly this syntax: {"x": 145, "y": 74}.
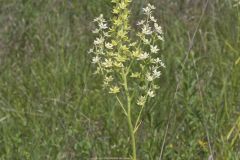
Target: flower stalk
{"x": 129, "y": 118}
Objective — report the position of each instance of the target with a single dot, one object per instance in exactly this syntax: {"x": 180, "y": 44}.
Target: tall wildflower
{"x": 130, "y": 66}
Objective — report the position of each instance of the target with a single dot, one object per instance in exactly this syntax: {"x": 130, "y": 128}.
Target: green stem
{"x": 132, "y": 133}
{"x": 129, "y": 117}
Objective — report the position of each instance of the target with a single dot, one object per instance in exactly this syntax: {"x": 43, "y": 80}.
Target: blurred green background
{"x": 52, "y": 106}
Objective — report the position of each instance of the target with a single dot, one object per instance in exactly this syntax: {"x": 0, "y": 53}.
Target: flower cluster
{"x": 151, "y": 32}
{"x": 237, "y": 3}
{"x": 133, "y": 62}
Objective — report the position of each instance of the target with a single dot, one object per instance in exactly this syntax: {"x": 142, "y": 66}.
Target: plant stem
{"x": 131, "y": 131}
{"x": 129, "y": 117}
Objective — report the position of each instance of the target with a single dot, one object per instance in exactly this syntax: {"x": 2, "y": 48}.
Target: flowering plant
{"x": 130, "y": 66}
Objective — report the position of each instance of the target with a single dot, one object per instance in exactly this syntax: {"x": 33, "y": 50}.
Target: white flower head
{"x": 156, "y": 73}
{"x": 90, "y": 51}
{"x": 148, "y": 9}
{"x": 95, "y": 59}
{"x": 99, "y": 19}
{"x": 149, "y": 77}
{"x": 143, "y": 56}
{"x": 107, "y": 80}
{"x": 108, "y": 45}
{"x": 139, "y": 23}
{"x": 162, "y": 64}
{"x": 141, "y": 100}
{"x": 98, "y": 41}
{"x": 160, "y": 37}
{"x": 154, "y": 86}
{"x": 152, "y": 7}
{"x": 154, "y": 49}
{"x": 146, "y": 41}
{"x": 157, "y": 60}
{"x": 107, "y": 63}
{"x": 133, "y": 44}
{"x": 146, "y": 30}
{"x": 102, "y": 25}
{"x": 106, "y": 34}
{"x": 95, "y": 31}
{"x": 153, "y": 19}
{"x": 151, "y": 93}
{"x": 155, "y": 67}
{"x": 158, "y": 28}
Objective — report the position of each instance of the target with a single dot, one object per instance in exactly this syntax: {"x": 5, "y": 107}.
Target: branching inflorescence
{"x": 130, "y": 66}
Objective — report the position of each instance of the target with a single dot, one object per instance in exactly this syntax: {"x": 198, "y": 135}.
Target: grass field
{"x": 52, "y": 106}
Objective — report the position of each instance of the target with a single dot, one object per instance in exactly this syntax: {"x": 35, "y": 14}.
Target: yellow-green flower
{"x": 136, "y": 75}
{"x": 114, "y": 90}
{"x": 141, "y": 100}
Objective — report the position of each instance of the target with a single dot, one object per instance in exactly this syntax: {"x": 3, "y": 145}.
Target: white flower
{"x": 153, "y": 19}
{"x": 149, "y": 77}
{"x": 156, "y": 74}
{"x": 108, "y": 45}
{"x": 106, "y": 34}
{"x": 155, "y": 86}
{"x": 143, "y": 56}
{"x": 154, "y": 49}
{"x": 160, "y": 38}
{"x": 96, "y": 31}
{"x": 150, "y": 93}
{"x": 158, "y": 28}
{"x": 140, "y": 22}
{"x": 107, "y": 63}
{"x": 155, "y": 67}
{"x": 98, "y": 41}
{"x": 90, "y": 51}
{"x": 157, "y": 60}
{"x": 133, "y": 44}
{"x": 99, "y": 51}
{"x": 107, "y": 80}
{"x": 102, "y": 25}
{"x": 99, "y": 19}
{"x": 141, "y": 101}
{"x": 96, "y": 59}
{"x": 151, "y": 6}
{"x": 159, "y": 31}
{"x": 147, "y": 11}
{"x": 162, "y": 65}
{"x": 146, "y": 41}
{"x": 146, "y": 30}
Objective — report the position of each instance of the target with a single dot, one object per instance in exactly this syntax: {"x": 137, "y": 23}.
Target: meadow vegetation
{"x": 53, "y": 106}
